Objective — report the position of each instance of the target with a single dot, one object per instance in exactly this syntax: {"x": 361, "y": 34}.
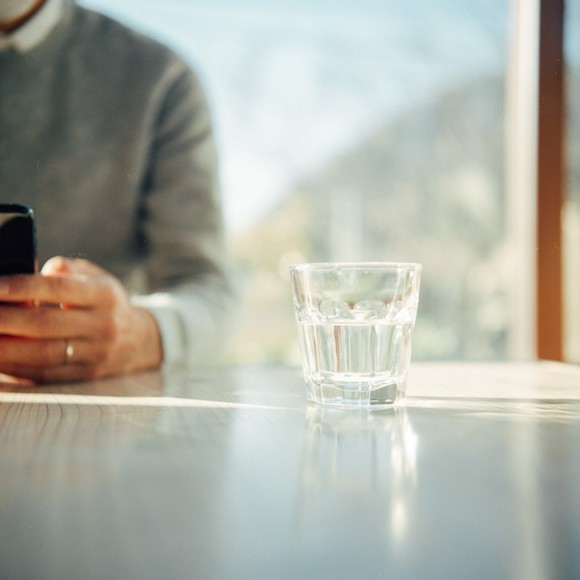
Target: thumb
{"x": 61, "y": 265}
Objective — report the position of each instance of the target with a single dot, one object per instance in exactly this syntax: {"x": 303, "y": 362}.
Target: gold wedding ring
{"x": 69, "y": 351}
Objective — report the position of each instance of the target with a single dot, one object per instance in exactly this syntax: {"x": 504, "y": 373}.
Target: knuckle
{"x": 109, "y": 295}
{"x": 103, "y": 355}
{"x": 109, "y": 328}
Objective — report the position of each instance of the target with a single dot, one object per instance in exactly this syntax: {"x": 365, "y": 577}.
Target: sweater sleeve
{"x": 187, "y": 268}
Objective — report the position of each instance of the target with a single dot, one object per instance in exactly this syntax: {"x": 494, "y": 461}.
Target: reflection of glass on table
{"x": 356, "y": 459}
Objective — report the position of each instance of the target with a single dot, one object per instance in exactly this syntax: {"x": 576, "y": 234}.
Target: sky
{"x": 293, "y": 83}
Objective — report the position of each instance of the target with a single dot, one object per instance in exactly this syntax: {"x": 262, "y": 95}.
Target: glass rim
{"x": 321, "y": 266}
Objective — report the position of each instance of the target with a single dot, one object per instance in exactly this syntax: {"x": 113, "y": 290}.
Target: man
{"x": 106, "y": 135}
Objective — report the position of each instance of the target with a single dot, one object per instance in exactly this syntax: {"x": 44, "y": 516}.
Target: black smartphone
{"x": 17, "y": 240}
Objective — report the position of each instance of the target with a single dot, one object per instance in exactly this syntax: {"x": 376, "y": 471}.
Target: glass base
{"x": 354, "y": 395}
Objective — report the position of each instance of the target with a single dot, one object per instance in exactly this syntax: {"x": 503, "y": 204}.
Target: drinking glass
{"x": 355, "y": 325}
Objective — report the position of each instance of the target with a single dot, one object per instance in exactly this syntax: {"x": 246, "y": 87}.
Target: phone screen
{"x": 17, "y": 240}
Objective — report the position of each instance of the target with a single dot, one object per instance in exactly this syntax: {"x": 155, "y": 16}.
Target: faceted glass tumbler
{"x": 355, "y": 325}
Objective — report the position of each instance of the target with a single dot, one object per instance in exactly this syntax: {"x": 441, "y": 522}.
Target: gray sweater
{"x": 106, "y": 135}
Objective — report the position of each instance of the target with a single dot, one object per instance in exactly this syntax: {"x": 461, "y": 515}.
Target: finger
{"x": 47, "y": 353}
{"x": 58, "y": 374}
{"x": 56, "y": 265}
{"x": 61, "y": 265}
{"x": 73, "y": 290}
{"x": 49, "y": 322}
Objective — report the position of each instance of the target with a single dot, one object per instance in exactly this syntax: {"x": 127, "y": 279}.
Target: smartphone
{"x": 17, "y": 240}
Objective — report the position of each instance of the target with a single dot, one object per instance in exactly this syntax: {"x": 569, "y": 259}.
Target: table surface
{"x": 232, "y": 474}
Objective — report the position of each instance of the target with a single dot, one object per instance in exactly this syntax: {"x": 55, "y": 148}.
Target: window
{"x": 572, "y": 208}
{"x": 368, "y": 130}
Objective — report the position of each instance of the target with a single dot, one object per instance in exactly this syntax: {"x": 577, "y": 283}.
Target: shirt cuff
{"x": 173, "y": 335}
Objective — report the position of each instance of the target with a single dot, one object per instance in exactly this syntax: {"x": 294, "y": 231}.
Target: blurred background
{"x": 374, "y": 130}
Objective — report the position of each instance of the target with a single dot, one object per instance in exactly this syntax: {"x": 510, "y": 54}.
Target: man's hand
{"x": 73, "y": 321}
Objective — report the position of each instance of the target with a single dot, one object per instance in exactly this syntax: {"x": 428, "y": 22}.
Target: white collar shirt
{"x": 35, "y": 30}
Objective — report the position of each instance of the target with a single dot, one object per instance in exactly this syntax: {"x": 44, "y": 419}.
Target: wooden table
{"x": 231, "y": 474}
